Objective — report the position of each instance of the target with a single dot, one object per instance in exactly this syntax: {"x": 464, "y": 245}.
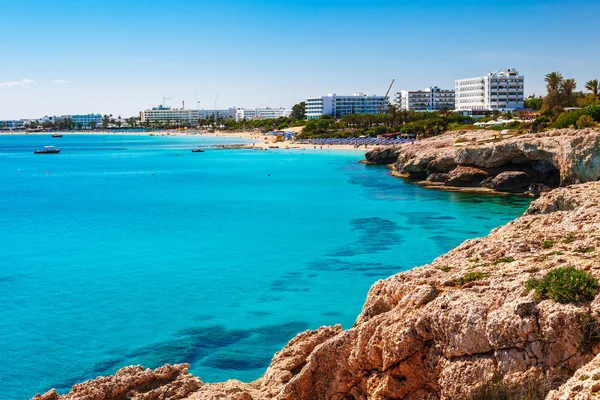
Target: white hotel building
{"x": 338, "y": 106}
{"x": 496, "y": 91}
{"x": 429, "y": 99}
{"x": 182, "y": 116}
{"x": 245, "y": 114}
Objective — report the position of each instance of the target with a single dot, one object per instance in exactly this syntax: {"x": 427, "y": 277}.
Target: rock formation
{"x": 441, "y": 331}
{"x": 477, "y": 159}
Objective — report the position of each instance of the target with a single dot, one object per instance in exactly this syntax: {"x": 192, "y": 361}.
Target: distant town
{"x": 502, "y": 91}
{"x": 495, "y": 100}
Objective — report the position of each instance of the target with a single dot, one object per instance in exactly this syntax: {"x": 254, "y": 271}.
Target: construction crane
{"x": 165, "y": 98}
{"x": 385, "y": 97}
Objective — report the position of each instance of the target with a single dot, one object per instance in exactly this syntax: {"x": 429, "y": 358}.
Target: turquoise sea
{"x": 128, "y": 250}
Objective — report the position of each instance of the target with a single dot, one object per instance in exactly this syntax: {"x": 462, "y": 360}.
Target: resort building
{"x": 85, "y": 120}
{"x": 496, "y": 91}
{"x": 338, "y": 106}
{"x": 13, "y": 124}
{"x": 429, "y": 99}
{"x": 182, "y": 116}
{"x": 246, "y": 114}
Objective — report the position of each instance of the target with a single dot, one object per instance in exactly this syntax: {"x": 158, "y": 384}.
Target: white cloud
{"x": 61, "y": 81}
{"x": 22, "y": 83}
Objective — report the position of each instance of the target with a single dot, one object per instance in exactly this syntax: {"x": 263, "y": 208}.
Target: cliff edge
{"x": 491, "y": 161}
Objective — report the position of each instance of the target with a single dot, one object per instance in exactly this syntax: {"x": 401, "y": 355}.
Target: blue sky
{"x": 121, "y": 56}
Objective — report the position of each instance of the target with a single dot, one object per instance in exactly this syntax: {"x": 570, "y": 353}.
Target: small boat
{"x": 47, "y": 150}
{"x": 273, "y": 147}
{"x": 57, "y": 135}
{"x": 197, "y": 150}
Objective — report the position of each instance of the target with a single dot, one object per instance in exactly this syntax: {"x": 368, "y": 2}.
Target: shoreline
{"x": 261, "y": 140}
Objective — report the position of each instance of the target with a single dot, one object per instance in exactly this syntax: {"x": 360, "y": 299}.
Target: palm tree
{"x": 592, "y": 86}
{"x": 568, "y": 88}
{"x": 553, "y": 81}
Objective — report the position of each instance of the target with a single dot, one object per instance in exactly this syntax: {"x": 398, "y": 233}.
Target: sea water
{"x": 127, "y": 250}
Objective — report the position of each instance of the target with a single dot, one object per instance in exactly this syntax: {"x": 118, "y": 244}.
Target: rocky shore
{"x": 488, "y": 161}
{"x": 464, "y": 325}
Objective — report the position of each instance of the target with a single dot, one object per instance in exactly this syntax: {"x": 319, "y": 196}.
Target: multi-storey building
{"x": 429, "y": 99}
{"x": 261, "y": 113}
{"x": 182, "y": 116}
{"x": 496, "y": 91}
{"x": 338, "y": 106}
{"x": 86, "y": 120}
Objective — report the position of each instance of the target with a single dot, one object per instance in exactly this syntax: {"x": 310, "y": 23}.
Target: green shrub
{"x": 584, "y": 377}
{"x": 446, "y": 268}
{"x": 546, "y": 244}
{"x": 570, "y": 118}
{"x": 565, "y": 285}
{"x": 583, "y": 250}
{"x": 470, "y": 277}
{"x": 504, "y": 260}
{"x": 570, "y": 238}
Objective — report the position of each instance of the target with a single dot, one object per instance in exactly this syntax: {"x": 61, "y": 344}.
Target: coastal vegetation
{"x": 564, "y": 285}
{"x": 417, "y": 124}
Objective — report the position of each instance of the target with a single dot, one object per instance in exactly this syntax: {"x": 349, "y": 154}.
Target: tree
{"x": 535, "y": 103}
{"x": 299, "y": 111}
{"x": 569, "y": 98}
{"x": 93, "y": 124}
{"x": 105, "y": 121}
{"x": 592, "y": 86}
{"x": 554, "y": 83}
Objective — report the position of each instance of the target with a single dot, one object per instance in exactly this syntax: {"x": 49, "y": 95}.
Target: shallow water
{"x": 132, "y": 249}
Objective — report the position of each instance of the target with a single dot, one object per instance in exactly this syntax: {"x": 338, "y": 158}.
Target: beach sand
{"x": 261, "y": 140}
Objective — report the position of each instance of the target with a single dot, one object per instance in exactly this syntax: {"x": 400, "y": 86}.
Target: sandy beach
{"x": 261, "y": 140}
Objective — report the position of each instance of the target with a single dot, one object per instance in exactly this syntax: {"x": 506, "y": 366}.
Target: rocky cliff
{"x": 489, "y": 160}
{"x": 462, "y": 325}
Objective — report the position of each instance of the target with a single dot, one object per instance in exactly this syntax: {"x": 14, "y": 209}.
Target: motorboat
{"x": 57, "y": 135}
{"x": 47, "y": 150}
{"x": 197, "y": 150}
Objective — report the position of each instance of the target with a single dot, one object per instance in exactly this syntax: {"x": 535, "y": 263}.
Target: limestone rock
{"x": 511, "y": 181}
{"x": 466, "y": 176}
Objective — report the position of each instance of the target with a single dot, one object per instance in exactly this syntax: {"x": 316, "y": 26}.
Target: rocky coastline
{"x": 464, "y": 324}
{"x": 489, "y": 161}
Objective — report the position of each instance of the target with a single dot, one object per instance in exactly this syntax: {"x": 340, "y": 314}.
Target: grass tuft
{"x": 504, "y": 260}
{"x": 547, "y": 244}
{"x": 564, "y": 285}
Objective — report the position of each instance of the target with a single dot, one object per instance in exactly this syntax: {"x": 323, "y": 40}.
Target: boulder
{"x": 463, "y": 176}
{"x": 511, "y": 181}
{"x": 437, "y": 177}
{"x": 382, "y": 155}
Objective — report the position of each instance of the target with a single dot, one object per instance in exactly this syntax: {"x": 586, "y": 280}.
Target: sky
{"x": 120, "y": 57}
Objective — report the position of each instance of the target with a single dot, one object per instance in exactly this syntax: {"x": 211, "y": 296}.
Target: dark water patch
{"x": 237, "y": 361}
{"x": 260, "y": 314}
{"x": 279, "y": 333}
{"x": 445, "y": 242}
{"x": 6, "y": 279}
{"x": 268, "y": 298}
{"x": 336, "y": 265}
{"x": 374, "y": 235}
{"x": 426, "y": 220}
{"x": 481, "y": 217}
{"x": 335, "y": 314}
{"x": 289, "y": 285}
{"x": 467, "y": 232}
{"x": 189, "y": 345}
{"x": 312, "y": 276}
{"x": 108, "y": 366}
{"x": 204, "y": 317}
